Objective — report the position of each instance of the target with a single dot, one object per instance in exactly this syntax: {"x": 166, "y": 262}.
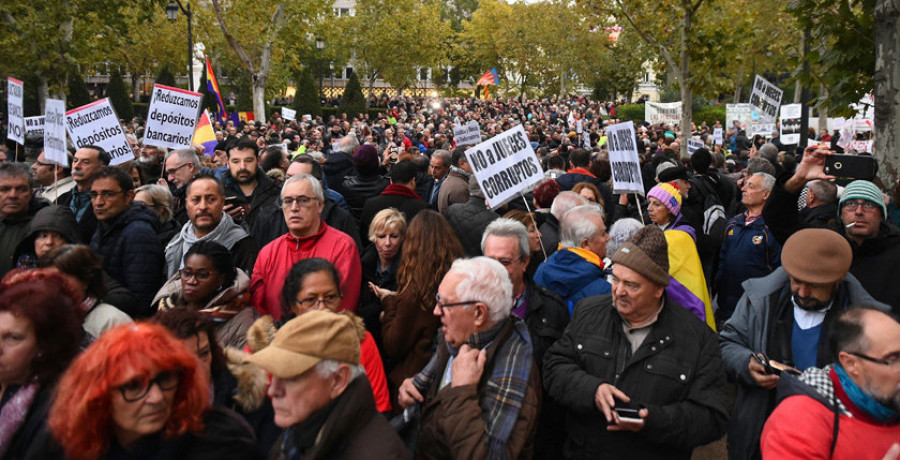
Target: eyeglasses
{"x": 866, "y": 205}
{"x": 39, "y": 163}
{"x": 507, "y": 262}
{"x": 891, "y": 361}
{"x": 301, "y": 200}
{"x": 440, "y": 303}
{"x": 106, "y": 194}
{"x": 199, "y": 275}
{"x": 172, "y": 171}
{"x": 138, "y": 389}
{"x": 328, "y": 301}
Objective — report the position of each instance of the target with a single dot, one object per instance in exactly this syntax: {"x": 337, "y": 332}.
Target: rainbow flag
{"x": 212, "y": 85}
{"x": 205, "y": 136}
{"x": 489, "y": 78}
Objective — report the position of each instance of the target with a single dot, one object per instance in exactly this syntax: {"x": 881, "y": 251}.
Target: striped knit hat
{"x": 863, "y": 189}
{"x": 668, "y": 194}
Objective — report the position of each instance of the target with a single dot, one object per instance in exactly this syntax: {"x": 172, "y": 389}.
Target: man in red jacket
{"x": 301, "y": 200}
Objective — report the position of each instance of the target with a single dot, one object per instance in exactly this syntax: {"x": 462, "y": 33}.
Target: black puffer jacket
{"x": 469, "y": 220}
{"x": 132, "y": 255}
{"x": 360, "y": 188}
{"x": 676, "y": 373}
{"x": 337, "y": 168}
{"x": 264, "y": 196}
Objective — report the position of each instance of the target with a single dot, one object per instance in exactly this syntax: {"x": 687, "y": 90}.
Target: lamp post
{"x": 172, "y": 13}
{"x": 320, "y": 45}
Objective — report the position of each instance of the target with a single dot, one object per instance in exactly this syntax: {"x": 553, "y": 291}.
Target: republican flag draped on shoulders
{"x": 212, "y": 85}
{"x": 489, "y": 78}
{"x": 687, "y": 285}
{"x": 205, "y": 136}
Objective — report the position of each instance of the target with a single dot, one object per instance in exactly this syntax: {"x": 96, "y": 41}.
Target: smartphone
{"x": 628, "y": 412}
{"x": 232, "y": 200}
{"x": 761, "y": 359}
{"x": 851, "y": 166}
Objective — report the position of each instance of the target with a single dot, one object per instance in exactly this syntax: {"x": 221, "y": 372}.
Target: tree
{"x": 118, "y": 96}
{"x": 166, "y": 78}
{"x": 306, "y": 99}
{"x": 78, "y": 91}
{"x": 353, "y": 102}
{"x": 140, "y": 53}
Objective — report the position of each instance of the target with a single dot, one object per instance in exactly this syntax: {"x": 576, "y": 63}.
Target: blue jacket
{"x": 748, "y": 251}
{"x": 571, "y": 277}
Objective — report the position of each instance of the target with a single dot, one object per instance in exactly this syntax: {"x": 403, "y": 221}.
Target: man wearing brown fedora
{"x": 320, "y": 393}
{"x": 782, "y": 322}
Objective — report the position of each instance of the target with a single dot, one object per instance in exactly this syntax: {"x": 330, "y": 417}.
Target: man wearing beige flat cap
{"x": 320, "y": 394}
{"x": 782, "y": 322}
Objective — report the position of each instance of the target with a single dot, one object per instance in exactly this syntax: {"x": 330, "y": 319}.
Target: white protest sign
{"x": 468, "y": 134}
{"x": 763, "y": 129}
{"x": 172, "y": 117}
{"x": 790, "y": 123}
{"x": 623, "y": 159}
{"x": 288, "y": 113}
{"x": 55, "y": 132}
{"x": 657, "y": 112}
{"x": 717, "y": 135}
{"x": 505, "y": 165}
{"x": 860, "y": 146}
{"x": 15, "y": 110}
{"x": 97, "y": 124}
{"x": 694, "y": 145}
{"x": 587, "y": 139}
{"x": 765, "y": 98}
{"x": 34, "y": 125}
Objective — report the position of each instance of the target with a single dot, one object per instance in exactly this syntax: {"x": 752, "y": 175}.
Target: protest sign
{"x": 717, "y": 135}
{"x": 55, "y": 132}
{"x": 97, "y": 124}
{"x": 288, "y": 113}
{"x": 34, "y": 125}
{"x": 505, "y": 165}
{"x": 468, "y": 134}
{"x": 623, "y": 159}
{"x": 657, "y": 112}
{"x": 765, "y": 98}
{"x": 15, "y": 110}
{"x": 763, "y": 129}
{"x": 693, "y": 146}
{"x": 860, "y": 146}
{"x": 172, "y": 117}
{"x": 790, "y": 123}
{"x": 739, "y": 116}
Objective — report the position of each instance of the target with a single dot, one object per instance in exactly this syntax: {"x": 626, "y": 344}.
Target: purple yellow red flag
{"x": 213, "y": 86}
{"x": 205, "y": 136}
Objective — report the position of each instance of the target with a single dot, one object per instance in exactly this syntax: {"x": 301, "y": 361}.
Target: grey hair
{"x": 316, "y": 155}
{"x": 566, "y": 201}
{"x": 348, "y": 144}
{"x": 327, "y": 367}
{"x": 161, "y": 197}
{"x": 485, "y": 280}
{"x": 756, "y": 165}
{"x": 185, "y": 155}
{"x": 575, "y": 225}
{"x": 619, "y": 233}
{"x": 12, "y": 169}
{"x": 768, "y": 180}
{"x": 769, "y": 152}
{"x": 443, "y": 155}
{"x": 505, "y": 227}
{"x": 316, "y": 186}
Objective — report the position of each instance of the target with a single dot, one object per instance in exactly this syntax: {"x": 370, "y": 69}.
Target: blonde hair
{"x": 387, "y": 219}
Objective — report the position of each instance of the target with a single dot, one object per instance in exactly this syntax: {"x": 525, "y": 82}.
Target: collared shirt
{"x": 636, "y": 334}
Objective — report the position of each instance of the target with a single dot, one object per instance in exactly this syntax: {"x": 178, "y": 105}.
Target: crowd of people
{"x": 342, "y": 288}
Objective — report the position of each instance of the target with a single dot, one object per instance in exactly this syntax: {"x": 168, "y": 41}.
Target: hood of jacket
{"x": 53, "y": 218}
{"x": 172, "y": 290}
{"x": 566, "y": 273}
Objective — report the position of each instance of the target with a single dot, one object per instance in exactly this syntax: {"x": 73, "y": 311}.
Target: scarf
{"x": 862, "y": 400}
{"x": 582, "y": 171}
{"x": 460, "y": 171}
{"x": 14, "y": 413}
{"x": 227, "y": 233}
{"x": 80, "y": 203}
{"x": 502, "y": 393}
{"x": 400, "y": 190}
{"x": 586, "y": 255}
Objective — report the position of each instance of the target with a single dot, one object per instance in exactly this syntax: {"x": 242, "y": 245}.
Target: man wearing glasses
{"x": 849, "y": 409}
{"x": 126, "y": 237}
{"x": 302, "y": 199}
{"x": 781, "y": 324}
{"x": 54, "y": 179}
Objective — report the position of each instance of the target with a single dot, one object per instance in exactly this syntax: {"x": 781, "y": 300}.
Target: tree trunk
{"x": 371, "y": 84}
{"x": 887, "y": 89}
{"x": 823, "y": 112}
{"x": 259, "y": 96}
{"x": 135, "y": 87}
{"x": 685, "y": 81}
{"x": 738, "y": 85}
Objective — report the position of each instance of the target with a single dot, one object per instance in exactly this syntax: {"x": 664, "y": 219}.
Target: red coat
{"x": 276, "y": 259}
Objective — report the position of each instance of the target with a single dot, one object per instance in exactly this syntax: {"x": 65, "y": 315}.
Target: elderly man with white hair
{"x": 550, "y": 227}
{"x": 479, "y": 394}
{"x": 575, "y": 271}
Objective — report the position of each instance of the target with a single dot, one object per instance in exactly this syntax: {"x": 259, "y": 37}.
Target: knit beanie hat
{"x": 863, "y": 189}
{"x": 668, "y": 194}
{"x": 647, "y": 253}
{"x": 817, "y": 255}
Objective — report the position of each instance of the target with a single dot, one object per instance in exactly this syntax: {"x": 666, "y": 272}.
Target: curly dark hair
{"x": 218, "y": 255}
{"x": 185, "y": 323}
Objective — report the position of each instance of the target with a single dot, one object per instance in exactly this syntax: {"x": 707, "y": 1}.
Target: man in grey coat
{"x": 783, "y": 320}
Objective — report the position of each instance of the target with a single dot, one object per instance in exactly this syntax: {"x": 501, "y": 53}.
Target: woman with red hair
{"x": 137, "y": 392}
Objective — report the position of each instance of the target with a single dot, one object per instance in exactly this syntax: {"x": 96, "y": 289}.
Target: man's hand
{"x": 622, "y": 425}
{"x": 235, "y": 211}
{"x": 811, "y": 167}
{"x": 759, "y": 375}
{"x": 893, "y": 453}
{"x": 605, "y": 400}
{"x": 408, "y": 394}
{"x": 467, "y": 366}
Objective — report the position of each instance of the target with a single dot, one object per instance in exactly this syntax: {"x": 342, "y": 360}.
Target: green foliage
{"x": 353, "y": 103}
{"x": 140, "y": 109}
{"x": 31, "y": 98}
{"x": 710, "y": 114}
{"x": 118, "y": 96}
{"x": 306, "y": 99}
{"x": 78, "y": 92}
{"x": 165, "y": 77}
{"x": 633, "y": 112}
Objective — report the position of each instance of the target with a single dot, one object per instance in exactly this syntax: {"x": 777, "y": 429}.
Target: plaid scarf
{"x": 502, "y": 392}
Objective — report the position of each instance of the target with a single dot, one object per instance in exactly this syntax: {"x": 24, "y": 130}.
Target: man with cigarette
{"x": 782, "y": 322}
{"x": 863, "y": 221}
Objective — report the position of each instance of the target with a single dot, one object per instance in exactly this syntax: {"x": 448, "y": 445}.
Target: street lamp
{"x": 172, "y": 13}
{"x": 320, "y": 45}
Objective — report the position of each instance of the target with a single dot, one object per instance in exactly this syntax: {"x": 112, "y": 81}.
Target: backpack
{"x": 714, "y": 217}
